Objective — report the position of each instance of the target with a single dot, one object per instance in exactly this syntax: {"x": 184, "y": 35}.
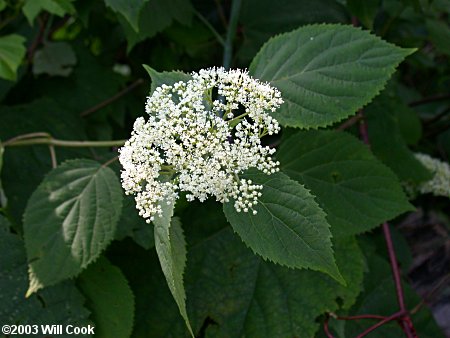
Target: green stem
{"x": 64, "y": 143}
{"x": 231, "y": 33}
{"x": 211, "y": 28}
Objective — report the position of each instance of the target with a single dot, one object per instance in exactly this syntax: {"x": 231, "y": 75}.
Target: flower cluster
{"x": 197, "y": 143}
{"x": 439, "y": 185}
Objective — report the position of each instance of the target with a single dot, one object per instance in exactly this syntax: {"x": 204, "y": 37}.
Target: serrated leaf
{"x": 234, "y": 293}
{"x": 259, "y": 22}
{"x": 32, "y": 8}
{"x": 12, "y": 51}
{"x": 69, "y": 220}
{"x": 289, "y": 228}
{"x": 171, "y": 248}
{"x": 61, "y": 304}
{"x": 388, "y": 144}
{"x": 109, "y": 298}
{"x": 168, "y": 78}
{"x": 245, "y": 296}
{"x": 130, "y": 9}
{"x": 55, "y": 58}
{"x": 355, "y": 190}
{"x": 325, "y": 72}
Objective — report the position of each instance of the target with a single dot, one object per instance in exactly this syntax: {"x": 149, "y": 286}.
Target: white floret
{"x": 197, "y": 144}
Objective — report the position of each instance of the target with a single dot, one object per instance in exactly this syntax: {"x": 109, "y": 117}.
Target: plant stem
{"x": 231, "y": 33}
{"x": 395, "y": 316}
{"x": 439, "y": 97}
{"x": 63, "y": 143}
{"x": 406, "y": 323}
{"x": 110, "y": 100}
{"x": 211, "y": 28}
{"x": 350, "y": 122}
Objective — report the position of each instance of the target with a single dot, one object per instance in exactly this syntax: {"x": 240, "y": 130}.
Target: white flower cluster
{"x": 439, "y": 185}
{"x": 199, "y": 144}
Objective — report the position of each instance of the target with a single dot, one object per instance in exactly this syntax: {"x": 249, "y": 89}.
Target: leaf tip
{"x": 35, "y": 285}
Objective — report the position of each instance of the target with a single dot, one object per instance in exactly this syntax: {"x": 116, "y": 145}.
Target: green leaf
{"x": 171, "y": 248}
{"x": 12, "y": 51}
{"x": 168, "y": 78}
{"x": 408, "y": 122}
{"x": 134, "y": 226}
{"x": 388, "y": 144}
{"x": 58, "y": 7}
{"x": 232, "y": 292}
{"x": 69, "y": 220}
{"x": 3, "y": 5}
{"x": 55, "y": 58}
{"x": 156, "y": 16}
{"x": 289, "y": 228}
{"x": 365, "y": 11}
{"x": 130, "y": 9}
{"x": 109, "y": 298}
{"x": 60, "y": 304}
{"x": 259, "y": 22}
{"x": 248, "y": 297}
{"x": 325, "y": 72}
{"x": 355, "y": 190}
{"x": 439, "y": 33}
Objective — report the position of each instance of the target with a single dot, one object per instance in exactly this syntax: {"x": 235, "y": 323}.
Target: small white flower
{"x": 439, "y": 185}
{"x": 194, "y": 143}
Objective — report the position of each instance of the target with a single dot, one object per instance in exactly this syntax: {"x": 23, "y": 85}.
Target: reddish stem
{"x": 360, "y": 317}
{"x": 406, "y": 322}
{"x": 326, "y": 328}
{"x": 395, "y": 316}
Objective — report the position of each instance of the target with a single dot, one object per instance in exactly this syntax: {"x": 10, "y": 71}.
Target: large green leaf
{"x": 60, "y": 304}
{"x": 171, "y": 248}
{"x": 12, "y": 51}
{"x": 234, "y": 293}
{"x": 325, "y": 72}
{"x": 69, "y": 220}
{"x": 289, "y": 228}
{"x": 259, "y": 22}
{"x": 130, "y": 9}
{"x": 58, "y": 7}
{"x": 388, "y": 143}
{"x": 245, "y": 296}
{"x": 355, "y": 190}
{"x": 55, "y": 58}
{"x": 109, "y": 298}
{"x": 157, "y": 15}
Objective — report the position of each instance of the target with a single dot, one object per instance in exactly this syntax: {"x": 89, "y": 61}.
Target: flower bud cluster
{"x": 199, "y": 144}
{"x": 439, "y": 185}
